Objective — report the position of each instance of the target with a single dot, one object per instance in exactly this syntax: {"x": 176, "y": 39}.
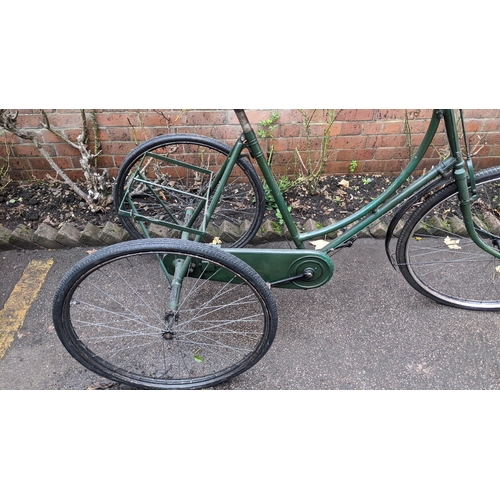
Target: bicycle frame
{"x": 387, "y": 200}
{"x": 280, "y": 268}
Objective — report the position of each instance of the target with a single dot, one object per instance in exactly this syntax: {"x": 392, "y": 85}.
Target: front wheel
{"x": 437, "y": 257}
{"x": 113, "y": 313}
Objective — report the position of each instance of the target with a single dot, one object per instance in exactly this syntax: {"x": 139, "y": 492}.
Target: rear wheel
{"x": 113, "y": 313}
{"x": 163, "y": 189}
{"x": 438, "y": 258}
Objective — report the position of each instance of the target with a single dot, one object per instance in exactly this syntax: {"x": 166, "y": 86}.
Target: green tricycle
{"x": 187, "y": 302}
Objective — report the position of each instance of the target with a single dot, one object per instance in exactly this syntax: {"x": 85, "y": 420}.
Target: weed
{"x": 279, "y": 216}
{"x": 284, "y": 183}
{"x": 268, "y": 197}
{"x": 268, "y": 126}
{"x": 353, "y": 166}
{"x": 266, "y": 133}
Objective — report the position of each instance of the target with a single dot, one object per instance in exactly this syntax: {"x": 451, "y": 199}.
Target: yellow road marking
{"x": 20, "y": 300}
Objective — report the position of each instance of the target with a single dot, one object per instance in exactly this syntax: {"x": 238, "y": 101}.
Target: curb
{"x": 68, "y": 236}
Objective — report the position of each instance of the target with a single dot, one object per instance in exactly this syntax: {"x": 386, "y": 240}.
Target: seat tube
{"x": 257, "y": 153}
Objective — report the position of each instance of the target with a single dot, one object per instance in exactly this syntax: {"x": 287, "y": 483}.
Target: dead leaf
{"x": 319, "y": 244}
{"x": 452, "y": 244}
{"x": 344, "y": 183}
{"x": 216, "y": 241}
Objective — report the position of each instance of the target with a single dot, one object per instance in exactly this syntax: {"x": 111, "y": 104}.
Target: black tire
{"x": 111, "y": 312}
{"x": 436, "y": 256}
{"x": 240, "y": 210}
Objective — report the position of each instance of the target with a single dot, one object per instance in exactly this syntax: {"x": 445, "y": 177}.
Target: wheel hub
{"x": 170, "y": 319}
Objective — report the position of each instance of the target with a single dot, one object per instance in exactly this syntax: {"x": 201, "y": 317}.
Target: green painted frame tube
{"x": 219, "y": 181}
{"x": 257, "y": 153}
{"x": 461, "y": 179}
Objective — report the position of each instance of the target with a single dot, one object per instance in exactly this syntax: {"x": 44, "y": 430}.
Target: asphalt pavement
{"x": 367, "y": 329}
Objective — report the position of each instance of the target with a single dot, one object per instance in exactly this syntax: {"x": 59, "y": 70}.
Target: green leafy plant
{"x": 266, "y": 133}
{"x": 279, "y": 216}
{"x": 268, "y": 126}
{"x": 353, "y": 166}
{"x": 284, "y": 183}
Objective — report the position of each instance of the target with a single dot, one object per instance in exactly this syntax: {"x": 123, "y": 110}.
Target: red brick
{"x": 389, "y": 114}
{"x": 346, "y": 155}
{"x": 29, "y": 149}
{"x": 351, "y": 128}
{"x": 356, "y": 115}
{"x": 122, "y": 148}
{"x": 423, "y": 114}
{"x": 227, "y": 133}
{"x": 294, "y": 115}
{"x": 416, "y": 140}
{"x": 205, "y": 118}
{"x": 152, "y": 119}
{"x": 255, "y": 116}
{"x": 382, "y": 141}
{"x": 480, "y": 113}
{"x": 335, "y": 129}
{"x": 393, "y": 127}
{"x": 365, "y": 154}
{"x": 317, "y": 129}
{"x": 471, "y": 126}
{"x": 29, "y": 121}
{"x": 383, "y": 154}
{"x": 488, "y": 125}
{"x": 372, "y": 128}
{"x": 115, "y": 119}
{"x": 348, "y": 142}
{"x": 290, "y": 130}
{"x": 279, "y": 144}
{"x": 63, "y": 149}
{"x": 493, "y": 137}
{"x": 65, "y": 120}
{"x": 119, "y": 134}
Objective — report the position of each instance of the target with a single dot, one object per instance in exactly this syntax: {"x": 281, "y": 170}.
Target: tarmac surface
{"x": 366, "y": 329}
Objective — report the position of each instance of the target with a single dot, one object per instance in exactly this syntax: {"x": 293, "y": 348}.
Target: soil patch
{"x": 335, "y": 197}
{"x": 50, "y": 202}
{"x": 55, "y": 203}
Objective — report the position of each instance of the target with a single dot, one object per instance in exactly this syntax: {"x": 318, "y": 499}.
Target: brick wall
{"x": 378, "y": 140}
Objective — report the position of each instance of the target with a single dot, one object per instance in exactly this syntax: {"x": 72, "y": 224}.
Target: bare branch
{"x": 98, "y": 185}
